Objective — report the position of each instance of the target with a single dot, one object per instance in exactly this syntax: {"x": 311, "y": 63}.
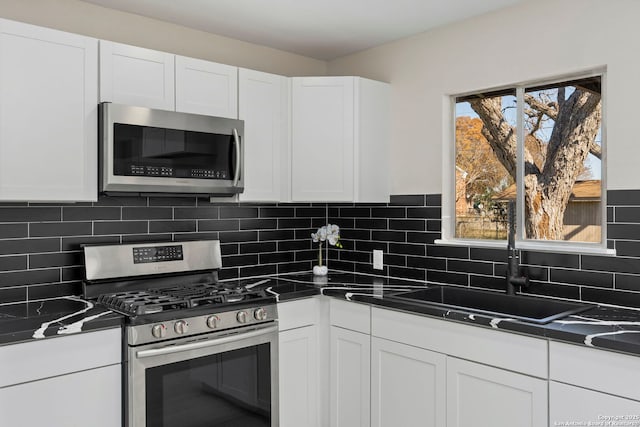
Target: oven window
{"x": 222, "y": 390}
{"x": 158, "y": 152}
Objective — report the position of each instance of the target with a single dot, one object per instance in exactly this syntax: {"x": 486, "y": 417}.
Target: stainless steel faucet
{"x": 514, "y": 278}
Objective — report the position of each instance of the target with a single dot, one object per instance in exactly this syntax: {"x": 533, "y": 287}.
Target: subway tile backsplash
{"x": 413, "y": 224}
{"x": 40, "y": 254}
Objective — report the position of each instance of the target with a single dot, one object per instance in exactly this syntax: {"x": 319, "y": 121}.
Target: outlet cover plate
{"x": 377, "y": 259}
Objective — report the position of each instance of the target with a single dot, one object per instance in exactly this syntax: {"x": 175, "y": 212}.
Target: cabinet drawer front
{"x": 348, "y": 315}
{"x": 50, "y": 357}
{"x": 601, "y": 370}
{"x": 569, "y": 403}
{"x": 90, "y": 398}
{"x": 296, "y": 314}
{"x": 498, "y": 348}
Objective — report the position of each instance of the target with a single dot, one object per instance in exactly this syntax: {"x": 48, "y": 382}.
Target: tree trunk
{"x": 547, "y": 191}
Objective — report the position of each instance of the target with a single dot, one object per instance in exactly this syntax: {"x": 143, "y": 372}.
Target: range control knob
{"x": 241, "y": 317}
{"x": 181, "y": 327}
{"x": 159, "y": 331}
{"x": 260, "y": 314}
{"x": 212, "y": 321}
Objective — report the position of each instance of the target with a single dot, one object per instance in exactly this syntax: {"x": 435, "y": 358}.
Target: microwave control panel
{"x": 162, "y": 171}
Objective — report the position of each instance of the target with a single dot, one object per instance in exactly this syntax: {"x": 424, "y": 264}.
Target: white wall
{"x": 534, "y": 40}
{"x": 85, "y": 18}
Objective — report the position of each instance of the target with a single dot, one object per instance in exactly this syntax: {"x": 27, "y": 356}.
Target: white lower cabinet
{"x": 589, "y": 385}
{"x": 80, "y": 399}
{"x": 298, "y": 349}
{"x": 71, "y": 381}
{"x": 511, "y": 393}
{"x": 570, "y": 404}
{"x": 388, "y": 368}
{"x": 300, "y": 361}
{"x": 407, "y": 385}
{"x": 485, "y": 396}
{"x": 349, "y": 378}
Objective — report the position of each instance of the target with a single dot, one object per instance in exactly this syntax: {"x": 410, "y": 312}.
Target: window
{"x": 540, "y": 145}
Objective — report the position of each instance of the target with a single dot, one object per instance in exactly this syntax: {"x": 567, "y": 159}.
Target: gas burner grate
{"x": 155, "y": 300}
{"x": 135, "y": 303}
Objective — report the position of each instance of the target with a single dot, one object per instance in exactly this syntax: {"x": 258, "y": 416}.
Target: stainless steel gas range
{"x": 199, "y": 352}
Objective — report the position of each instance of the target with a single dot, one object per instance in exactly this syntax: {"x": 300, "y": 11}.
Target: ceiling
{"x": 323, "y": 30}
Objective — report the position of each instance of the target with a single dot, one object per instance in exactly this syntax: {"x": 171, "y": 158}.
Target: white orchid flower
{"x": 322, "y": 233}
{"x": 330, "y": 232}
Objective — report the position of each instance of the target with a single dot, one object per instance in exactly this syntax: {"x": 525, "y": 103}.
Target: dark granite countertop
{"x": 27, "y": 321}
{"x": 603, "y": 327}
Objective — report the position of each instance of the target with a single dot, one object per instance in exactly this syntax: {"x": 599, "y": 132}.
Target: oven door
{"x": 224, "y": 379}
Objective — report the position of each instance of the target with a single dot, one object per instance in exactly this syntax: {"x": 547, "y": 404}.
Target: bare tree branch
{"x": 595, "y": 150}
{"x": 550, "y": 109}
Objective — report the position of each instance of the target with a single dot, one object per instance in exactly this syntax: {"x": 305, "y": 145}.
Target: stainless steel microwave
{"x": 155, "y": 151}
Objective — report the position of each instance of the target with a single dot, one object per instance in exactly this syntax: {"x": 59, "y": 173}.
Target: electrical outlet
{"x": 377, "y": 259}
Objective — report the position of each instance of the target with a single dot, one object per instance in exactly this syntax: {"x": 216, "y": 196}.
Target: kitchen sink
{"x": 526, "y": 308}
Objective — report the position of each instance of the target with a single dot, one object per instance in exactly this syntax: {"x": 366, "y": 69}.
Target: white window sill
{"x": 557, "y": 247}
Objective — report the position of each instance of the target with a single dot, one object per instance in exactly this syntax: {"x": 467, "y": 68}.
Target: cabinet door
{"x": 407, "y": 385}
{"x": 586, "y": 407}
{"x": 298, "y": 386}
{"x": 483, "y": 396}
{"x": 80, "y": 399}
{"x": 48, "y": 114}
{"x": 204, "y": 87}
{"x": 323, "y": 139}
{"x": 264, "y": 108}
{"x": 350, "y": 378}
{"x": 136, "y": 76}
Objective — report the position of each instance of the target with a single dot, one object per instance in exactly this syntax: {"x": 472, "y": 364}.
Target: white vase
{"x": 320, "y": 270}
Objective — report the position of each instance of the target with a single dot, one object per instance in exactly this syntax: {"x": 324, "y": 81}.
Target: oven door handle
{"x": 204, "y": 344}
{"x": 236, "y": 145}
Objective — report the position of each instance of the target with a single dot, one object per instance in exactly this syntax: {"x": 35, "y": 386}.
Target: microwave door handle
{"x": 204, "y": 344}
{"x": 236, "y": 145}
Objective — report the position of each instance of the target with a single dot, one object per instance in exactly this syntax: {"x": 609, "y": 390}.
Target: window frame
{"x": 449, "y": 178}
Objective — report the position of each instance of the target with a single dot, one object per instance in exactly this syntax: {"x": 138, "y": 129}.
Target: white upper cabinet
{"x": 148, "y": 78}
{"x": 48, "y": 114}
{"x": 322, "y": 136}
{"x": 204, "y": 87}
{"x": 340, "y": 139}
{"x": 136, "y": 76}
{"x": 264, "y": 107}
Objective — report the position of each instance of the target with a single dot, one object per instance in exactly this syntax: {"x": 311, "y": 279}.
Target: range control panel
{"x": 149, "y": 254}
